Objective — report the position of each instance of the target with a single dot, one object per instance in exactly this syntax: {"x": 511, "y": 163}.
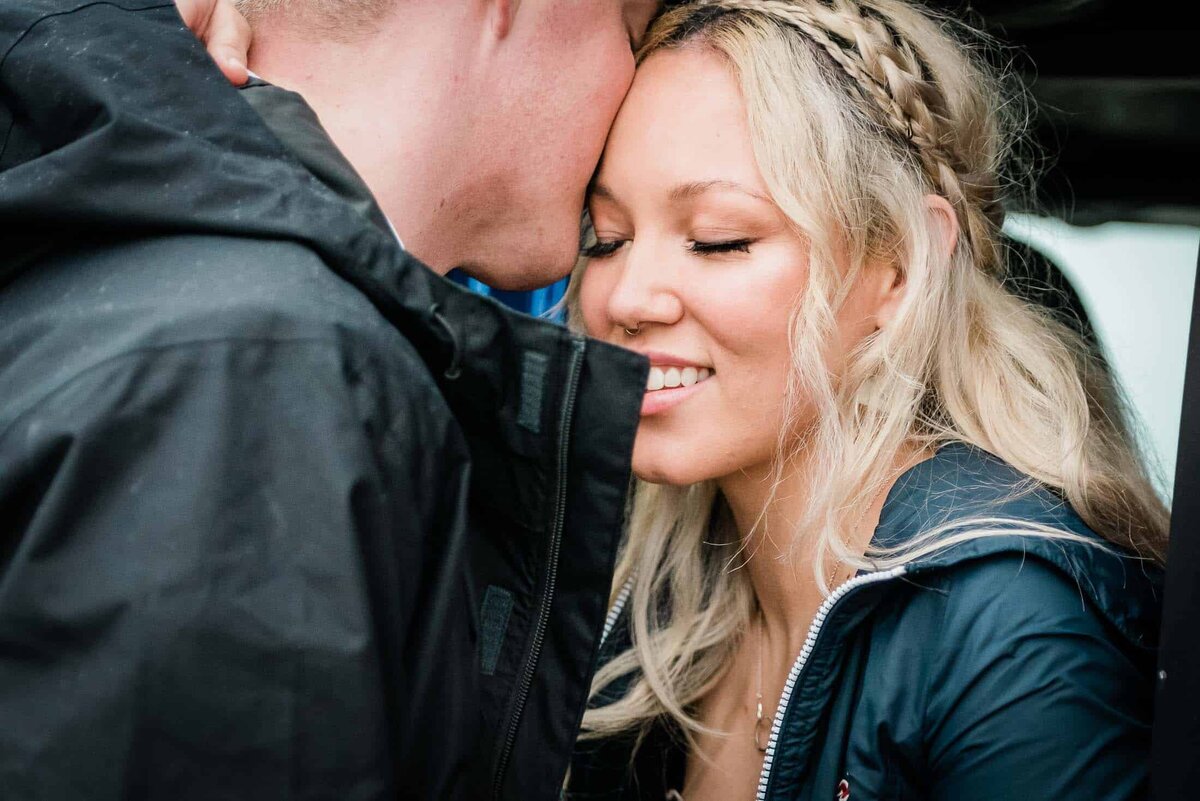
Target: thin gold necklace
{"x": 761, "y": 722}
{"x": 758, "y": 695}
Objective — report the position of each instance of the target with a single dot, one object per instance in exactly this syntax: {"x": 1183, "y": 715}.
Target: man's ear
{"x": 503, "y": 12}
{"x": 942, "y": 215}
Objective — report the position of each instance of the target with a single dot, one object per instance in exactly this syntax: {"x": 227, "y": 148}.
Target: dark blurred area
{"x": 1117, "y": 86}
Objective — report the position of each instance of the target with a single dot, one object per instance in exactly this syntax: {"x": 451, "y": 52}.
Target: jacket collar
{"x": 961, "y": 484}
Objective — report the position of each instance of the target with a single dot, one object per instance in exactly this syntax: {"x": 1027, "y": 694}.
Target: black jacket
{"x": 1005, "y": 668}
{"x": 282, "y": 513}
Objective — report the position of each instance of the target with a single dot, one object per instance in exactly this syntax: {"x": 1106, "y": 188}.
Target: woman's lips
{"x": 686, "y": 380}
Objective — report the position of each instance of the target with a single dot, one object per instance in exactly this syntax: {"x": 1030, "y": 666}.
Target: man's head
{"x": 476, "y": 123}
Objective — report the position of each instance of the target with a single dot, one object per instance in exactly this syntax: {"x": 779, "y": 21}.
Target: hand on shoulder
{"x": 224, "y": 31}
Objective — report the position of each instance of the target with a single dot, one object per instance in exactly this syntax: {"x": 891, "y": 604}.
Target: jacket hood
{"x": 963, "y": 485}
{"x": 114, "y": 124}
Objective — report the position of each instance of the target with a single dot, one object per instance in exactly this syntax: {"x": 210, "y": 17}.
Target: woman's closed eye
{"x": 602, "y": 248}
{"x": 722, "y": 246}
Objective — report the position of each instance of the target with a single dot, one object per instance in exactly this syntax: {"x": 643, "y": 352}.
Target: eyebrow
{"x": 695, "y": 188}
{"x": 689, "y": 190}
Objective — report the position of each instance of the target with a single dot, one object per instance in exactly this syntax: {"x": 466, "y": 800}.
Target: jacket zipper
{"x": 614, "y": 613}
{"x": 810, "y": 641}
{"x": 555, "y": 545}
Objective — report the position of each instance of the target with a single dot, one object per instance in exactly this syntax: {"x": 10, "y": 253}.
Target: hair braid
{"x": 890, "y": 73}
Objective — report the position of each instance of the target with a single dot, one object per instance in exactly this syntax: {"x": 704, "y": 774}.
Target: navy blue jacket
{"x": 1009, "y": 668}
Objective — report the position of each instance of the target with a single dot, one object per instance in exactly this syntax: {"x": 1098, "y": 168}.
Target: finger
{"x": 232, "y": 68}
{"x": 223, "y": 30}
{"x": 228, "y": 41}
{"x": 195, "y": 14}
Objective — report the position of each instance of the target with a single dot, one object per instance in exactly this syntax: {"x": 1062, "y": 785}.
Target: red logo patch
{"x": 843, "y": 791}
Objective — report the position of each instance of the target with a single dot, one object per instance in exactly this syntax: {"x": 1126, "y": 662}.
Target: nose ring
{"x": 633, "y": 332}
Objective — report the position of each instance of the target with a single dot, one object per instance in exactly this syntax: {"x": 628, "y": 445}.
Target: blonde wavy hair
{"x": 859, "y": 109}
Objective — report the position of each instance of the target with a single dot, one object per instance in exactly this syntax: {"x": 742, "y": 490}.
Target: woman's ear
{"x": 891, "y": 282}
{"x": 946, "y": 221}
{"x": 890, "y": 286}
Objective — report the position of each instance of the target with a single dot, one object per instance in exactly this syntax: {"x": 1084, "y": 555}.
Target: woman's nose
{"x": 646, "y": 291}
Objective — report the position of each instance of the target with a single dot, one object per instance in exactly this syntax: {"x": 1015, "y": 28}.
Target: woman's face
{"x": 691, "y": 251}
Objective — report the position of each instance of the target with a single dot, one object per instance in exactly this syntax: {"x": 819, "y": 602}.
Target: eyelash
{"x": 728, "y": 246}
{"x": 603, "y": 249}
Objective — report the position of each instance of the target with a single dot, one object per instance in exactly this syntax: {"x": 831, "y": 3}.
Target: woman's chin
{"x": 651, "y": 478}
{"x": 668, "y": 472}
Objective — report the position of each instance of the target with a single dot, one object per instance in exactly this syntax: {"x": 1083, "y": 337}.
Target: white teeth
{"x": 671, "y": 377}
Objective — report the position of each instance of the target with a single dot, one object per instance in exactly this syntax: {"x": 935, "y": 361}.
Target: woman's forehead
{"x": 683, "y": 122}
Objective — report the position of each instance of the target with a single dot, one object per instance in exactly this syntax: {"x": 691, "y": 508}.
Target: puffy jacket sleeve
{"x": 1034, "y": 695}
{"x": 233, "y": 568}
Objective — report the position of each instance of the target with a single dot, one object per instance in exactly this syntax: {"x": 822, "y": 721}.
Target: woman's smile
{"x": 671, "y": 381}
{"x": 697, "y": 268}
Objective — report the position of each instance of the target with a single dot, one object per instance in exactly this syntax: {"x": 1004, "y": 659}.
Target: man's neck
{"x": 384, "y": 100}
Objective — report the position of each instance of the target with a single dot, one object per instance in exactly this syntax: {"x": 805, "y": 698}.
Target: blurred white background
{"x": 1136, "y": 281}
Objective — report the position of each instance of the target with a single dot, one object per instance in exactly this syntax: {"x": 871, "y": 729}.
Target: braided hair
{"x": 891, "y": 72}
